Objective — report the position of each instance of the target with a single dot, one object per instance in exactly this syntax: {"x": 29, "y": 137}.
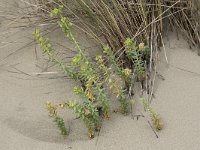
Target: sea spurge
{"x": 66, "y": 26}
{"x": 112, "y": 83}
{"x": 125, "y": 74}
{"x": 61, "y": 125}
{"x": 49, "y": 50}
{"x": 44, "y": 43}
{"x": 88, "y": 114}
{"x": 122, "y": 97}
{"x": 77, "y": 59}
{"x": 57, "y": 11}
{"x": 52, "y": 109}
{"x": 102, "y": 99}
{"x": 93, "y": 77}
{"x": 89, "y": 90}
{"x": 135, "y": 54}
{"x": 130, "y": 44}
{"x": 107, "y": 50}
{"x": 154, "y": 116}
{"x": 80, "y": 91}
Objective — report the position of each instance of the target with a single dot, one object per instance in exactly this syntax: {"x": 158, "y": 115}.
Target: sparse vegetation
{"x": 154, "y": 116}
{"x": 130, "y": 34}
{"x": 52, "y": 109}
{"x": 95, "y": 104}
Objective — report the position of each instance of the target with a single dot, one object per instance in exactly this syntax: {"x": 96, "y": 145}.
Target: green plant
{"x": 61, "y": 125}
{"x": 86, "y": 111}
{"x": 125, "y": 74}
{"x": 112, "y": 83}
{"x": 137, "y": 54}
{"x": 82, "y": 69}
{"x": 88, "y": 114}
{"x": 154, "y": 116}
{"x": 93, "y": 87}
{"x": 102, "y": 98}
{"x": 48, "y": 49}
{"x": 84, "y": 65}
{"x": 52, "y": 109}
{"x": 66, "y": 26}
{"x": 95, "y": 105}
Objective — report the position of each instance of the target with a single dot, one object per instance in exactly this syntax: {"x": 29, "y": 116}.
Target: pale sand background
{"x": 24, "y": 123}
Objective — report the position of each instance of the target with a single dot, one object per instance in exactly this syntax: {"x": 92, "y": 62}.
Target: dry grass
{"x": 115, "y": 20}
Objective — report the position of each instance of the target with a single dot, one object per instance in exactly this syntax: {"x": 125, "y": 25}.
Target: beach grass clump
{"x": 116, "y": 20}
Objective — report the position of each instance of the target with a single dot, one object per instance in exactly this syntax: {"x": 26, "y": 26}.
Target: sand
{"x": 24, "y": 123}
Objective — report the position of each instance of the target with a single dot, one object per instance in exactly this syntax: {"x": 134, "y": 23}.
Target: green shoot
{"x": 154, "y": 116}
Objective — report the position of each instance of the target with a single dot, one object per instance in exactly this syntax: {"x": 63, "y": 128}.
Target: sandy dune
{"x": 24, "y": 123}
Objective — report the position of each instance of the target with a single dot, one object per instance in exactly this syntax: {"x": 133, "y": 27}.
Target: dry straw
{"x": 144, "y": 20}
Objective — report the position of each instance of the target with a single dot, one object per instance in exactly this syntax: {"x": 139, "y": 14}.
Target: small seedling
{"x": 52, "y": 109}
{"x": 154, "y": 116}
